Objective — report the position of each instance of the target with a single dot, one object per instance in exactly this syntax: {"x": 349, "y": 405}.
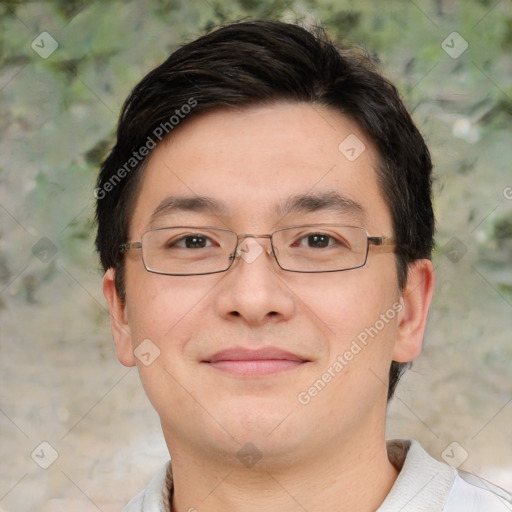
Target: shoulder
{"x": 156, "y": 496}
{"x": 471, "y": 493}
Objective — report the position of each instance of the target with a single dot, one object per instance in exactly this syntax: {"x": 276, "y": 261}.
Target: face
{"x": 293, "y": 363}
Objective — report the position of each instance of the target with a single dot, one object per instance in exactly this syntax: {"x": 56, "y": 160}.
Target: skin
{"x": 330, "y": 453}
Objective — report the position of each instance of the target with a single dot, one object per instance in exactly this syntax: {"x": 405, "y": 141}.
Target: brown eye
{"x": 318, "y": 240}
{"x": 195, "y": 241}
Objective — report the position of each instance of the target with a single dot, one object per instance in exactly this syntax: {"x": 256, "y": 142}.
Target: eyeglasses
{"x": 191, "y": 250}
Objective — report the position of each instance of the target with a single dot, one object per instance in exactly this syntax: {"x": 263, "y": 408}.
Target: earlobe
{"x": 118, "y": 322}
{"x": 416, "y": 298}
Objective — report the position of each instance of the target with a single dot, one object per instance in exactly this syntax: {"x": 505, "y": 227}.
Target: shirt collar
{"x": 423, "y": 484}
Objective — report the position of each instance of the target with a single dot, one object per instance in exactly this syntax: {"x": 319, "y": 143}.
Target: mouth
{"x": 264, "y": 361}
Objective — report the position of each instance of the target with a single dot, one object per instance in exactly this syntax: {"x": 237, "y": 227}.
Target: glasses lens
{"x": 321, "y": 248}
{"x": 188, "y": 250}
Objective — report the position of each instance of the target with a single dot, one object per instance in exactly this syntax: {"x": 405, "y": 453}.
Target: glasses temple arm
{"x": 381, "y": 240}
{"x": 129, "y": 246}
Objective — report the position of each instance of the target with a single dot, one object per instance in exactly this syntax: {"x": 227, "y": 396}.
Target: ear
{"x": 416, "y": 299}
{"x": 118, "y": 321}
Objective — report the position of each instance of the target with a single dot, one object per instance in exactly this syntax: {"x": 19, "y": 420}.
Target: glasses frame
{"x": 378, "y": 241}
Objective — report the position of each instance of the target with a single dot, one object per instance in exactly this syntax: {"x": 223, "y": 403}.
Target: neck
{"x": 353, "y": 476}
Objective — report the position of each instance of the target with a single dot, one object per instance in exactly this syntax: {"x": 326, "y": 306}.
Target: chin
{"x": 266, "y": 425}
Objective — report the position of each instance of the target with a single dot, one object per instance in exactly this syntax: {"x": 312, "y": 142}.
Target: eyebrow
{"x": 300, "y": 203}
{"x": 330, "y": 201}
{"x": 175, "y": 204}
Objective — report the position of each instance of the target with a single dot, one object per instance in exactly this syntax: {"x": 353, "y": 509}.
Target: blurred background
{"x": 77, "y": 432}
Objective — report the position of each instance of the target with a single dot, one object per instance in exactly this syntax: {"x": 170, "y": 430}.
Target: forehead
{"x": 251, "y": 168}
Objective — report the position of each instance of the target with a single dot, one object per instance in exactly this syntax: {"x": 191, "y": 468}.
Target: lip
{"x": 263, "y": 361}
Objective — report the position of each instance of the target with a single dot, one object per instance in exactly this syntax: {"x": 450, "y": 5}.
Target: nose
{"x": 249, "y": 249}
{"x": 253, "y": 290}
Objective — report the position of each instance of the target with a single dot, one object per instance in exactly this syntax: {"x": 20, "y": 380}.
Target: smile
{"x": 265, "y": 361}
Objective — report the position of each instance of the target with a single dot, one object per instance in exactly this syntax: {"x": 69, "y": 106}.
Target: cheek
{"x": 160, "y": 307}
{"x": 358, "y": 316}
{"x": 344, "y": 302}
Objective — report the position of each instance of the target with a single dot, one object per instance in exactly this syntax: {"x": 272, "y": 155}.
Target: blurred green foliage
{"x": 58, "y": 114}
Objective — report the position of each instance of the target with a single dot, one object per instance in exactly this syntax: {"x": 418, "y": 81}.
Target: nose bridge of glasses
{"x": 250, "y": 235}
{"x": 244, "y": 246}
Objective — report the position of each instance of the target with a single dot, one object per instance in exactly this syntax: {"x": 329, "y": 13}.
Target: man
{"x": 265, "y": 225}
